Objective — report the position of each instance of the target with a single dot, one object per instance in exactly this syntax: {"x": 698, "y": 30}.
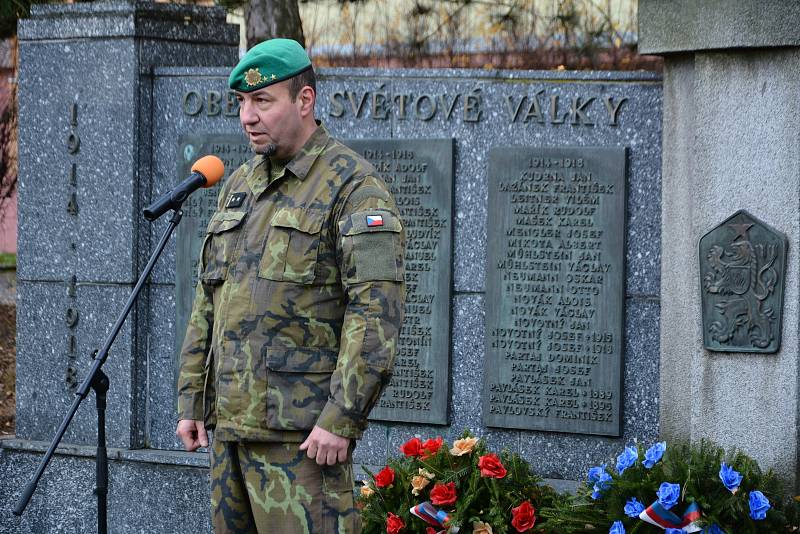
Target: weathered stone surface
{"x": 148, "y": 491}
{"x": 85, "y": 148}
{"x": 686, "y": 25}
{"x": 44, "y": 355}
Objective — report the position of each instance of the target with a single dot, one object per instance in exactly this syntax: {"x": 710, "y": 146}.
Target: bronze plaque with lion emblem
{"x": 742, "y": 265}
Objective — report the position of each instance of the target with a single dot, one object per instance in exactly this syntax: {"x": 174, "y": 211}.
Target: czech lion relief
{"x": 742, "y": 263}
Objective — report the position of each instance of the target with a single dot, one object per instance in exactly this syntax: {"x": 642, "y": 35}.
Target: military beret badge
{"x": 253, "y": 77}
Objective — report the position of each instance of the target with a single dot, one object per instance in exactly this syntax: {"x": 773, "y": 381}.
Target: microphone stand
{"x": 98, "y": 381}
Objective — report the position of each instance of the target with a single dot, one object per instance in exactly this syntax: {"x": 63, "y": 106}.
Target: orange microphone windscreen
{"x": 211, "y": 167}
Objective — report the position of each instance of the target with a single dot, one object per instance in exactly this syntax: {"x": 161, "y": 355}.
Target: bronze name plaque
{"x": 420, "y": 175}
{"x": 555, "y": 289}
{"x": 742, "y": 265}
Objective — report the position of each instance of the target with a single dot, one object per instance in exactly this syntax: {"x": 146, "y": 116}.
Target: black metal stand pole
{"x": 92, "y": 381}
{"x": 100, "y": 387}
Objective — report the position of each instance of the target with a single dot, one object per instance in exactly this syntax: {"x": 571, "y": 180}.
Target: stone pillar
{"x": 730, "y": 142}
{"x": 85, "y": 101}
{"x": 85, "y": 152}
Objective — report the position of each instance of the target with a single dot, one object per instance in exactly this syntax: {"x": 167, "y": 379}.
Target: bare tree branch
{"x": 8, "y": 141}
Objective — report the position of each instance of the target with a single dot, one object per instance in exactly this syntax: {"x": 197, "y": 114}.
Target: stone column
{"x": 85, "y": 152}
{"x": 730, "y": 142}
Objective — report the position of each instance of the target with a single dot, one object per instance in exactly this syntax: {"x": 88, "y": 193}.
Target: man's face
{"x": 271, "y": 120}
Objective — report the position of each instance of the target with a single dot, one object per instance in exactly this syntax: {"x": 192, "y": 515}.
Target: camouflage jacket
{"x": 300, "y": 300}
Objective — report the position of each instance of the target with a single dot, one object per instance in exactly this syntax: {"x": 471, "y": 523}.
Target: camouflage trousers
{"x": 274, "y": 487}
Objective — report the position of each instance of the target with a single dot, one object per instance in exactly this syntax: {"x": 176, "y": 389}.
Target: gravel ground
{"x": 8, "y": 332}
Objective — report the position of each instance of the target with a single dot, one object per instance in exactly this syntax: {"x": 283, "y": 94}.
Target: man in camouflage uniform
{"x": 296, "y": 315}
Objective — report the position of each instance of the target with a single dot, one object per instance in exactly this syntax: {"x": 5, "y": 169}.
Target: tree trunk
{"x": 268, "y": 19}
{"x": 8, "y": 133}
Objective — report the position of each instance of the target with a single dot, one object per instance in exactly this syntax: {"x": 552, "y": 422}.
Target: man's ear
{"x": 306, "y": 99}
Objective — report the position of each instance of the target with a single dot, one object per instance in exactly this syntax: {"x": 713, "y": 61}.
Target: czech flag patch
{"x": 374, "y": 220}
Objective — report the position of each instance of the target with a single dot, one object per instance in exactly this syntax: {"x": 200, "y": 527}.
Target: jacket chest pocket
{"x": 219, "y": 245}
{"x": 298, "y": 386}
{"x": 292, "y": 245}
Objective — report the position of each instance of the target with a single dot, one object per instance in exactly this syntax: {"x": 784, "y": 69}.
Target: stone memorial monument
{"x": 440, "y": 139}
{"x": 731, "y": 70}
{"x": 531, "y": 202}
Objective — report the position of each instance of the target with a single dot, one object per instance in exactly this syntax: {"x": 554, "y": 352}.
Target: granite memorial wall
{"x": 531, "y": 202}
{"x": 532, "y": 264}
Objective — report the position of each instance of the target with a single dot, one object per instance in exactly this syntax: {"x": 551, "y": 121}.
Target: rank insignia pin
{"x": 235, "y": 200}
{"x": 374, "y": 220}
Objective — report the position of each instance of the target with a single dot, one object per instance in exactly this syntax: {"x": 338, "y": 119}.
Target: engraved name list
{"x": 555, "y": 289}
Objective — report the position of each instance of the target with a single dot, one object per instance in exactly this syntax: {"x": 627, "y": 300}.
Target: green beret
{"x": 269, "y": 62}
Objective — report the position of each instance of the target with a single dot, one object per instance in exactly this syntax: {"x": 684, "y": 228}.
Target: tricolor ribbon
{"x": 430, "y": 515}
{"x": 659, "y": 516}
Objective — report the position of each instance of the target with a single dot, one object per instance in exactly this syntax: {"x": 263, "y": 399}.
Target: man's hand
{"x": 325, "y": 447}
{"x": 192, "y": 433}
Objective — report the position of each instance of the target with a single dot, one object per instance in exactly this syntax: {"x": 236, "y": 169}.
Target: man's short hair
{"x": 296, "y": 83}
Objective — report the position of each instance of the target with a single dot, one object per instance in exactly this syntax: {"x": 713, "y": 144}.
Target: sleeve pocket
{"x": 371, "y": 246}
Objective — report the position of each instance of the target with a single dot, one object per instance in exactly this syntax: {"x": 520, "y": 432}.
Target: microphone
{"x": 206, "y": 172}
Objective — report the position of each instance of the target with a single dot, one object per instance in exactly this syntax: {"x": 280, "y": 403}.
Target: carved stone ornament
{"x": 743, "y": 266}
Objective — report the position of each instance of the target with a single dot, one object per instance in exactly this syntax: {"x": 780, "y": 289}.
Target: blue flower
{"x": 668, "y": 494}
{"x": 713, "y": 529}
{"x": 603, "y": 482}
{"x": 654, "y": 454}
{"x": 594, "y": 474}
{"x": 730, "y": 477}
{"x": 627, "y": 459}
{"x": 758, "y": 505}
{"x": 601, "y": 485}
{"x": 633, "y": 507}
{"x": 674, "y": 531}
{"x": 617, "y": 528}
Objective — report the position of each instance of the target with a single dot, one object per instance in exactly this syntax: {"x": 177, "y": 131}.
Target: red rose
{"x": 443, "y": 493}
{"x": 430, "y": 530}
{"x": 490, "y": 466}
{"x": 412, "y": 447}
{"x": 523, "y": 517}
{"x": 431, "y": 447}
{"x": 394, "y": 524}
{"x": 385, "y": 477}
